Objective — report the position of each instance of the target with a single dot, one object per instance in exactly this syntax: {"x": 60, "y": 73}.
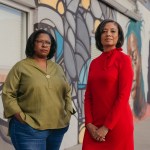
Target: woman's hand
{"x": 102, "y": 132}
{"x": 17, "y": 115}
{"x": 92, "y": 130}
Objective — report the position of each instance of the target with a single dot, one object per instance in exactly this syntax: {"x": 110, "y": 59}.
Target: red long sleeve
{"x": 87, "y": 103}
{"x": 124, "y": 89}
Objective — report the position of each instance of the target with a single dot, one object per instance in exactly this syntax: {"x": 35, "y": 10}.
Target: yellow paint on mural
{"x": 85, "y": 3}
{"x": 52, "y": 3}
{"x": 61, "y": 8}
{"x": 96, "y": 23}
{"x": 81, "y": 133}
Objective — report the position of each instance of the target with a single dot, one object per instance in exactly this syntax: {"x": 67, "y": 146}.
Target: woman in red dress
{"x": 108, "y": 117}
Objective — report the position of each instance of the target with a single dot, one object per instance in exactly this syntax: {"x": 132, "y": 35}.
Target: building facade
{"x": 73, "y": 24}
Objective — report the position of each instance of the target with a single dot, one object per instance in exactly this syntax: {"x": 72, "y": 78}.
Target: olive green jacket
{"x": 43, "y": 99}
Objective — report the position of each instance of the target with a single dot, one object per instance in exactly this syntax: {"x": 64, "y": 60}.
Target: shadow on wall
{"x": 4, "y": 131}
{"x": 148, "y": 94}
{"x": 5, "y": 142}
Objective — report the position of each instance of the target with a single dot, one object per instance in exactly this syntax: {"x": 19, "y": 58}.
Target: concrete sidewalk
{"x": 76, "y": 147}
{"x": 141, "y": 136}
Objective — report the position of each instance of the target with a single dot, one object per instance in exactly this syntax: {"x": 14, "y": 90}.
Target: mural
{"x": 134, "y": 45}
{"x": 138, "y": 47}
{"x": 73, "y": 24}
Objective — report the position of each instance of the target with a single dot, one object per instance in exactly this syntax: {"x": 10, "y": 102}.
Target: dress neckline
{"x": 109, "y": 53}
{"x": 109, "y": 58}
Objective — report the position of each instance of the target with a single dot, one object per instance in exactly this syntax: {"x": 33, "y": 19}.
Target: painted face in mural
{"x": 109, "y": 36}
{"x": 42, "y": 46}
{"x": 133, "y": 52}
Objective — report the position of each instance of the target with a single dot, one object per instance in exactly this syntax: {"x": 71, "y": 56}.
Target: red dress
{"x": 107, "y": 101}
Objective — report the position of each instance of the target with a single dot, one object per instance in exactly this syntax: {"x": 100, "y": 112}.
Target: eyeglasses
{"x": 41, "y": 42}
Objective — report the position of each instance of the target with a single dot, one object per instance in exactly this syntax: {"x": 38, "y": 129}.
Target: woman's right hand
{"x": 92, "y": 130}
{"x": 18, "y": 117}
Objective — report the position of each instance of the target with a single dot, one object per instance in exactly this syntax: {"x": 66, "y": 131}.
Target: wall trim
{"x": 28, "y": 3}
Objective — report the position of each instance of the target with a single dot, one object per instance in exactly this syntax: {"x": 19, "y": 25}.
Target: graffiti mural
{"x": 134, "y": 46}
{"x": 138, "y": 48}
{"x": 73, "y": 23}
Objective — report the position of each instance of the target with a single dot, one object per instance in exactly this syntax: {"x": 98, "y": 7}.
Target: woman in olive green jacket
{"x": 37, "y": 97}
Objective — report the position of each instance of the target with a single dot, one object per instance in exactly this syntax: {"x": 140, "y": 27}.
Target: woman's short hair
{"x": 99, "y": 32}
{"x": 31, "y": 42}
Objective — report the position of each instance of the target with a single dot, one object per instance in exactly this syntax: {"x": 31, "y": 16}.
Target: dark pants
{"x": 25, "y": 137}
